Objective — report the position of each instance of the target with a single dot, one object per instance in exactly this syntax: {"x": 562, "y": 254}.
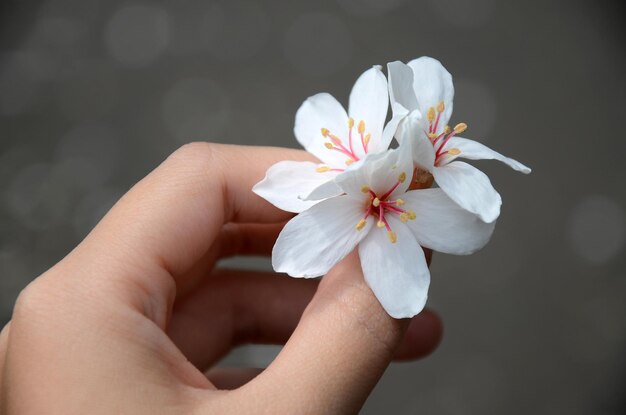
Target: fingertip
{"x": 422, "y": 337}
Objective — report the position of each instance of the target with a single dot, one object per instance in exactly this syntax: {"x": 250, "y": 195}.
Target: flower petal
{"x": 400, "y": 125}
{"x": 369, "y": 100}
{"x": 473, "y": 150}
{"x": 432, "y": 83}
{"x": 406, "y": 119}
{"x": 444, "y": 226}
{"x": 401, "y": 93}
{"x": 318, "y": 238}
{"x": 317, "y": 112}
{"x": 396, "y": 273}
{"x": 323, "y": 191}
{"x": 286, "y": 183}
{"x": 423, "y": 151}
{"x": 380, "y": 172}
{"x": 470, "y": 188}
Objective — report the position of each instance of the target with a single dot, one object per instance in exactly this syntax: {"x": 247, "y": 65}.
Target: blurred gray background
{"x": 94, "y": 94}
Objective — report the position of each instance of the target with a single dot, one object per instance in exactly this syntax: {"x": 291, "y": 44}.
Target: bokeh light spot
{"x": 137, "y": 35}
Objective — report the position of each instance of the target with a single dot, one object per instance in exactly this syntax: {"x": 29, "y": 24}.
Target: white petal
{"x": 410, "y": 127}
{"x": 444, "y": 226}
{"x": 369, "y": 100}
{"x": 470, "y": 188}
{"x": 473, "y": 150}
{"x": 432, "y": 83}
{"x": 380, "y": 172}
{"x": 317, "y": 112}
{"x": 318, "y": 238}
{"x": 323, "y": 191}
{"x": 396, "y": 273}
{"x": 401, "y": 91}
{"x": 423, "y": 151}
{"x": 287, "y": 182}
{"x": 392, "y": 128}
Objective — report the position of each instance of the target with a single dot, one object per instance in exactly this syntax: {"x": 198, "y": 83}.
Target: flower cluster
{"x": 363, "y": 195}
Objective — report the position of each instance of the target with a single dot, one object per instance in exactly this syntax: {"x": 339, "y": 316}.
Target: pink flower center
{"x": 336, "y": 144}
{"x": 381, "y": 207}
{"x": 439, "y": 140}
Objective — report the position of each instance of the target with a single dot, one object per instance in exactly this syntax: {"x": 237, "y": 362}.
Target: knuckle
{"x": 32, "y": 300}
{"x": 198, "y": 163}
{"x": 197, "y": 153}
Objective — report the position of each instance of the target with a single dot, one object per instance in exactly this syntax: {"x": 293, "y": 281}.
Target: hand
{"x": 132, "y": 319}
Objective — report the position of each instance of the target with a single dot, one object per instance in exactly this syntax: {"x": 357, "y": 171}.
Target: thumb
{"x": 339, "y": 351}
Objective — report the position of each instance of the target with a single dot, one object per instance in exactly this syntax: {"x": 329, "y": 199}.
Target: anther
{"x": 349, "y": 162}
{"x": 411, "y": 215}
{"x": 350, "y": 122}
{"x": 329, "y": 146}
{"x": 393, "y": 238}
{"x": 376, "y": 202}
{"x": 325, "y": 132}
{"x": 404, "y": 217}
{"x": 430, "y": 115}
{"x": 361, "y": 224}
{"x": 361, "y": 127}
{"x": 459, "y": 128}
{"x": 380, "y": 224}
{"x": 400, "y": 202}
{"x": 367, "y": 138}
{"x": 454, "y": 151}
{"x": 447, "y": 130}
{"x": 365, "y": 189}
{"x": 322, "y": 169}
{"x": 402, "y": 177}
{"x": 335, "y": 140}
{"x": 441, "y": 106}
{"x": 432, "y": 136}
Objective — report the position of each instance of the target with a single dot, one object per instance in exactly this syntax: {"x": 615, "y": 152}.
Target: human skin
{"x": 135, "y": 317}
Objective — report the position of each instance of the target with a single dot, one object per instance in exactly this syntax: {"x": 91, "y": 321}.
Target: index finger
{"x": 159, "y": 230}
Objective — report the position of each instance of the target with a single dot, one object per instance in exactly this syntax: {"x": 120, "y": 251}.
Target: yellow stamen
{"x": 367, "y": 138}
{"x": 400, "y": 202}
{"x": 350, "y": 122}
{"x": 376, "y": 202}
{"x": 322, "y": 169}
{"x": 329, "y": 146}
{"x": 447, "y": 130}
{"x": 430, "y": 115}
{"x": 459, "y": 128}
{"x": 393, "y": 238}
{"x": 441, "y": 106}
{"x": 365, "y": 189}
{"x": 325, "y": 132}
{"x": 380, "y": 224}
{"x": 411, "y": 215}
{"x": 404, "y": 217}
{"x": 454, "y": 151}
{"x": 335, "y": 140}
{"x": 432, "y": 136}
{"x": 349, "y": 162}
{"x": 361, "y": 127}
{"x": 361, "y": 224}
{"x": 402, "y": 177}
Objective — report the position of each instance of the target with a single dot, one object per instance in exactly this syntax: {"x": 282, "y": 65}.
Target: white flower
{"x": 388, "y": 223}
{"x": 338, "y": 139}
{"x": 421, "y": 99}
